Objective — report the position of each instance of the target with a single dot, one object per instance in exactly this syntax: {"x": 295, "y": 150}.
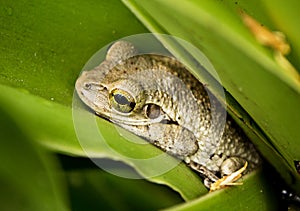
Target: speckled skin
{"x": 172, "y": 110}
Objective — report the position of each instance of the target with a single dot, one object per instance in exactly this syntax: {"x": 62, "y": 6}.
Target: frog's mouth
{"x": 96, "y": 96}
{"x": 161, "y": 119}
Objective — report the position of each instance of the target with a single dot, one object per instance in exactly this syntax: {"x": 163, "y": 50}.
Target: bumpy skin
{"x": 168, "y": 107}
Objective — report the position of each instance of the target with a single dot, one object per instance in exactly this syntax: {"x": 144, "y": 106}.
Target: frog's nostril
{"x": 87, "y": 85}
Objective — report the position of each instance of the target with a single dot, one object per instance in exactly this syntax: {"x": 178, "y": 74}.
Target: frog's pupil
{"x": 153, "y": 111}
{"x": 120, "y": 99}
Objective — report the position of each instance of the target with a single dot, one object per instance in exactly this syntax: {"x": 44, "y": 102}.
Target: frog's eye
{"x": 153, "y": 111}
{"x": 121, "y": 101}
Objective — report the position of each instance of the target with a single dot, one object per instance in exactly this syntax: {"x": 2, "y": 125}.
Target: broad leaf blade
{"x": 27, "y": 174}
{"x": 254, "y": 194}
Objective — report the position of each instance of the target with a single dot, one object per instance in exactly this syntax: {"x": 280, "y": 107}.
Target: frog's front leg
{"x": 209, "y": 176}
{"x": 171, "y": 138}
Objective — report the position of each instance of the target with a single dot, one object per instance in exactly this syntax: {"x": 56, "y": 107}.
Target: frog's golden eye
{"x": 121, "y": 101}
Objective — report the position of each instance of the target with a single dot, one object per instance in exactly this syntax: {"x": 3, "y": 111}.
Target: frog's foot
{"x": 209, "y": 176}
{"x": 231, "y": 165}
{"x": 228, "y": 180}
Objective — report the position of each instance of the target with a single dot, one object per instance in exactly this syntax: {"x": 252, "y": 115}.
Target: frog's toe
{"x": 207, "y": 182}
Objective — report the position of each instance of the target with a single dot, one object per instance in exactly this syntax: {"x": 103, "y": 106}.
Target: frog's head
{"x": 123, "y": 101}
{"x": 137, "y": 90}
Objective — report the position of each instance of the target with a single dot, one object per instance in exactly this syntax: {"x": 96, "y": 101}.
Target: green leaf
{"x": 27, "y": 175}
{"x": 99, "y": 190}
{"x": 247, "y": 70}
{"x": 256, "y": 193}
{"x": 44, "y": 45}
{"x": 283, "y": 15}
